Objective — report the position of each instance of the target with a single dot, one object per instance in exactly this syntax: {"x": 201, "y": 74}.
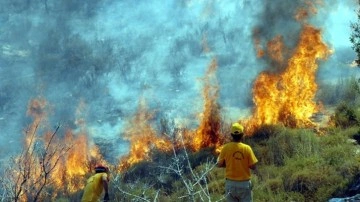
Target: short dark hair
{"x": 237, "y": 137}
{"x": 101, "y": 169}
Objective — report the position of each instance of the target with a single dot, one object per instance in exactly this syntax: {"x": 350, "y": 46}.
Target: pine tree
{"x": 355, "y": 37}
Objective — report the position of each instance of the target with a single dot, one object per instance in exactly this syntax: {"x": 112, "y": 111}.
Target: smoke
{"x": 334, "y": 19}
{"x": 109, "y": 54}
{"x": 279, "y": 18}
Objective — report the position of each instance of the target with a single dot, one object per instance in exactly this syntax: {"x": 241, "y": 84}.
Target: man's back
{"x": 238, "y": 158}
{"x": 94, "y": 187}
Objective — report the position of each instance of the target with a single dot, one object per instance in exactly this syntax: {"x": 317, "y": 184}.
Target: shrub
{"x": 307, "y": 175}
{"x": 344, "y": 90}
{"x": 202, "y": 156}
{"x": 216, "y": 179}
{"x": 264, "y": 132}
{"x": 299, "y": 165}
{"x": 146, "y": 171}
{"x": 345, "y": 116}
{"x": 286, "y": 144}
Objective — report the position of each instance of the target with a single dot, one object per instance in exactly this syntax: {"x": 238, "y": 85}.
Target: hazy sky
{"x": 111, "y": 54}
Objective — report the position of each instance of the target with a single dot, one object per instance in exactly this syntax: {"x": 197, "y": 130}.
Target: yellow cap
{"x": 237, "y": 128}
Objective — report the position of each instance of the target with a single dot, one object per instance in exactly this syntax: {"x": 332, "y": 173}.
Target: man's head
{"x": 237, "y": 131}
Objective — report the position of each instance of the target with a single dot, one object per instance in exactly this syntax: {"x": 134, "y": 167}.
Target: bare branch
{"x": 29, "y": 173}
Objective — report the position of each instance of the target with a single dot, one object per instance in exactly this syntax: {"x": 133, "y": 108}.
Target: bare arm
{"x": 220, "y": 164}
{"x": 255, "y": 170}
{"x": 106, "y": 188}
{"x": 105, "y": 185}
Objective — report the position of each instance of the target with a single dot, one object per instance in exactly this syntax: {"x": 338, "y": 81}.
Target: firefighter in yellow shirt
{"x": 238, "y": 159}
{"x": 96, "y": 184}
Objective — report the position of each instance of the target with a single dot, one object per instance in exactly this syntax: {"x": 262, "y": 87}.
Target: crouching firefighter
{"x": 96, "y": 184}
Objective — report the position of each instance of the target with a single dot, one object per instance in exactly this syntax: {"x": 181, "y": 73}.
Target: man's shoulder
{"x": 236, "y": 144}
{"x": 100, "y": 175}
{"x": 229, "y": 144}
{"x": 246, "y": 145}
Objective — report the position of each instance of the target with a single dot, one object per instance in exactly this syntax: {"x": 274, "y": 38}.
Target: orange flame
{"x": 143, "y": 138}
{"x": 75, "y": 163}
{"x": 65, "y": 159}
{"x": 275, "y": 50}
{"x": 37, "y": 110}
{"x": 208, "y": 132}
{"x": 79, "y": 159}
{"x": 288, "y": 98}
{"x": 27, "y": 173}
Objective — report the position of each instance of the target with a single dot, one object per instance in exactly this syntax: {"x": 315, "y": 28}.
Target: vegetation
{"x": 27, "y": 177}
{"x": 295, "y": 164}
{"x": 344, "y": 90}
{"x": 355, "y": 37}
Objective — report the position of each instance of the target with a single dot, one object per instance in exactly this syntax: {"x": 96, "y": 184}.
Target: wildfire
{"x": 143, "y": 138}
{"x": 80, "y": 157}
{"x": 276, "y": 49}
{"x": 208, "y": 133}
{"x": 288, "y": 97}
{"x": 50, "y": 159}
{"x": 37, "y": 110}
{"x": 285, "y": 96}
{"x": 75, "y": 163}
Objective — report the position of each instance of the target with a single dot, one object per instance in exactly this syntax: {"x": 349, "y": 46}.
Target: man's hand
{"x": 220, "y": 164}
{"x": 106, "y": 197}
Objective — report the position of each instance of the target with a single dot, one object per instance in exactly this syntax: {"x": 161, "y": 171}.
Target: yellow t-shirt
{"x": 238, "y": 157}
{"x": 94, "y": 187}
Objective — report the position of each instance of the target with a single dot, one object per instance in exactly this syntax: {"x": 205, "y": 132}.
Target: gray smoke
{"x": 109, "y": 54}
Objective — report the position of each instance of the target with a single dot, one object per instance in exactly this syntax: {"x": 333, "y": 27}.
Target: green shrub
{"x": 216, "y": 179}
{"x": 264, "y": 132}
{"x": 275, "y": 185}
{"x": 286, "y": 144}
{"x": 345, "y": 116}
{"x": 202, "y": 156}
{"x": 300, "y": 165}
{"x": 307, "y": 175}
{"x": 265, "y": 194}
{"x": 344, "y": 90}
{"x": 133, "y": 192}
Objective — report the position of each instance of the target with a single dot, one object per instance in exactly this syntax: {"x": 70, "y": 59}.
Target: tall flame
{"x": 143, "y": 138}
{"x": 208, "y": 132}
{"x": 75, "y": 163}
{"x": 37, "y": 110}
{"x": 80, "y": 158}
{"x": 288, "y": 98}
{"x": 59, "y": 161}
